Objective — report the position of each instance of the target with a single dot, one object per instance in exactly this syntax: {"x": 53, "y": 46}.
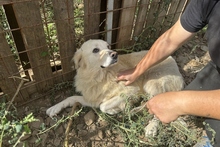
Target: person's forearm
{"x": 160, "y": 50}
{"x": 201, "y": 103}
{"x": 164, "y": 46}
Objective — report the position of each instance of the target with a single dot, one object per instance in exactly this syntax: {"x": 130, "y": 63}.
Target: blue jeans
{"x": 208, "y": 79}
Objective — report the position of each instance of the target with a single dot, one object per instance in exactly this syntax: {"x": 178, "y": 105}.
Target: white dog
{"x": 97, "y": 67}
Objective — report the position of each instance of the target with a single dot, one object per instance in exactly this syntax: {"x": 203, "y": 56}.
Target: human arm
{"x": 170, "y": 105}
{"x": 164, "y": 46}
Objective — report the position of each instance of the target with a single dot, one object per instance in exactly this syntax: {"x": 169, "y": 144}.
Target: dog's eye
{"x": 95, "y": 50}
{"x": 109, "y": 47}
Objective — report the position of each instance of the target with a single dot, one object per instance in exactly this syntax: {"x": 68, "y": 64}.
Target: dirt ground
{"x": 88, "y": 129}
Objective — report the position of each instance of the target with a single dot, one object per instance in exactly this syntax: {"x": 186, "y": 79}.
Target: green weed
{"x": 131, "y": 128}
{"x": 12, "y": 127}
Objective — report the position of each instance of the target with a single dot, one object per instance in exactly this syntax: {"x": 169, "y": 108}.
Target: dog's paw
{"x": 151, "y": 128}
{"x": 111, "y": 111}
{"x": 54, "y": 110}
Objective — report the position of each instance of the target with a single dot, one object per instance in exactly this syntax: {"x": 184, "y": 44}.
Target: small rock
{"x": 44, "y": 138}
{"x": 57, "y": 142}
{"x": 110, "y": 144}
{"x": 102, "y": 123}
{"x": 80, "y": 126}
{"x": 204, "y": 48}
{"x": 37, "y": 124}
{"x": 32, "y": 140}
{"x": 50, "y": 122}
{"x": 100, "y": 134}
{"x": 108, "y": 132}
{"x": 89, "y": 118}
{"x": 47, "y": 122}
{"x": 114, "y": 131}
{"x": 34, "y": 132}
{"x": 92, "y": 128}
{"x": 59, "y": 130}
{"x": 82, "y": 133}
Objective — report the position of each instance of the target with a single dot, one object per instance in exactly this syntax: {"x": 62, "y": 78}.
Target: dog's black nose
{"x": 114, "y": 55}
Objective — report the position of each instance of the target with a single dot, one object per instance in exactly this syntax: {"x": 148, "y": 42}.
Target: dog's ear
{"x": 78, "y": 60}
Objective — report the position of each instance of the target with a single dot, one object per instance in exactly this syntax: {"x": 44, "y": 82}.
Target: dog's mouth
{"x": 113, "y": 61}
{"x": 108, "y": 58}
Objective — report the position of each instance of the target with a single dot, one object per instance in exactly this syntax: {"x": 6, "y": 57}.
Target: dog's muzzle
{"x": 112, "y": 58}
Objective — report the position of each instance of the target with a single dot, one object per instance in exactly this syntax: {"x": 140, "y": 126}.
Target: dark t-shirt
{"x": 198, "y": 14}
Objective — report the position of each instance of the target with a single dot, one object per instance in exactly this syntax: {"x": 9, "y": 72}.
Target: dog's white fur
{"x": 97, "y": 67}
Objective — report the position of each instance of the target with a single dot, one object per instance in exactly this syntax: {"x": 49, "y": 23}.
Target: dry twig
{"x": 66, "y": 140}
{"x": 18, "y": 89}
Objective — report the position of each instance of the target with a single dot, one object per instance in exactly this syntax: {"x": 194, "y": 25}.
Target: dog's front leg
{"x": 113, "y": 105}
{"x": 68, "y": 102}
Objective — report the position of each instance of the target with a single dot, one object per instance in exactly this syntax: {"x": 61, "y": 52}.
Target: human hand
{"x": 127, "y": 75}
{"x": 165, "y": 106}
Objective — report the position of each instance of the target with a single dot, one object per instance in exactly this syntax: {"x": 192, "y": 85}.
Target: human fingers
{"x": 128, "y": 83}
{"x": 120, "y": 77}
{"x": 126, "y": 75}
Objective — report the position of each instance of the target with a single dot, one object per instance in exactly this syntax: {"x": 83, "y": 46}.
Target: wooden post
{"x": 169, "y": 16}
{"x": 126, "y": 23}
{"x": 161, "y": 16}
{"x": 181, "y": 6}
{"x": 91, "y": 19}
{"x": 115, "y": 25}
{"x": 64, "y": 20}
{"x": 150, "y": 20}
{"x": 8, "y": 69}
{"x": 17, "y": 38}
{"x": 141, "y": 17}
{"x": 29, "y": 20}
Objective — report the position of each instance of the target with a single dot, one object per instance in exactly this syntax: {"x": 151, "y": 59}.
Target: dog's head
{"x": 94, "y": 53}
